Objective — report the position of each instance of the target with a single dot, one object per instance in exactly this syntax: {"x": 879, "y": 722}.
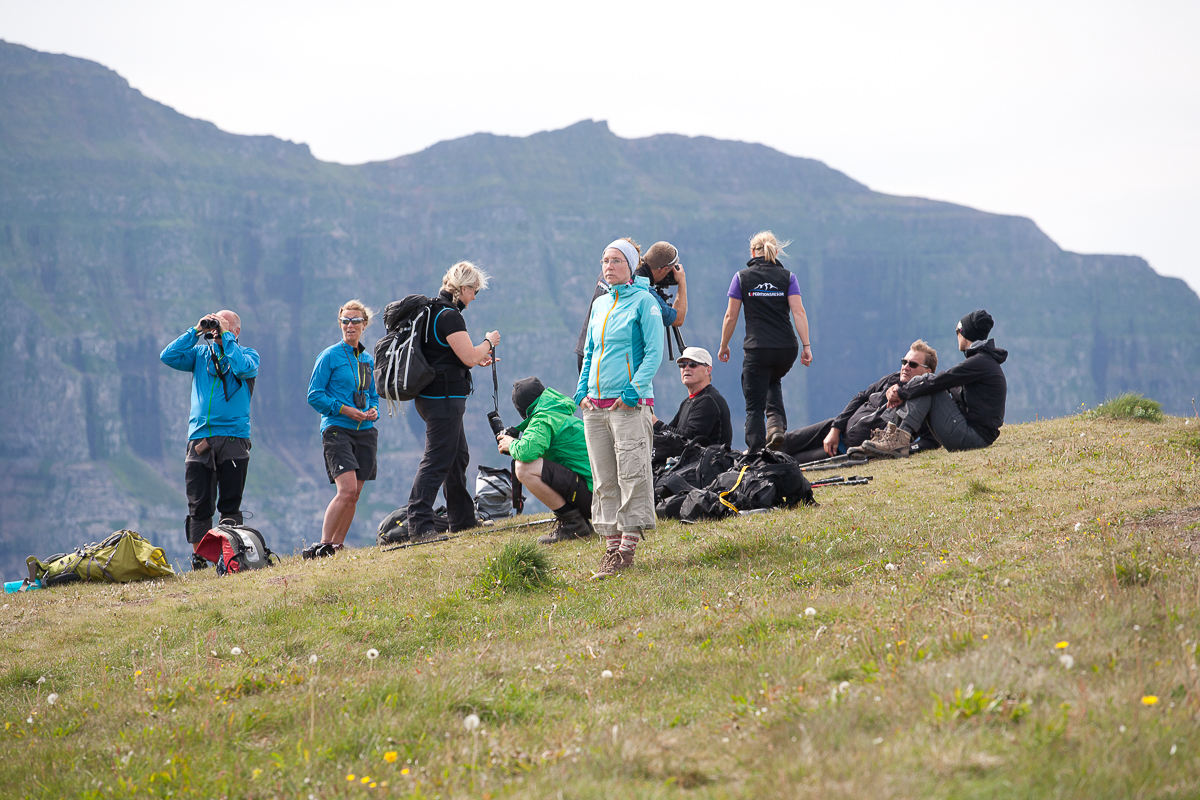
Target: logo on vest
{"x": 763, "y": 286}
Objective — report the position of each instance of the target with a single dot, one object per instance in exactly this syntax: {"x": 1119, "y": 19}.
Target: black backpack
{"x": 394, "y": 527}
{"x": 401, "y": 369}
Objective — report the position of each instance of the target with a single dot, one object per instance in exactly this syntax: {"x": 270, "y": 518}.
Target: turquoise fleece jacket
{"x": 212, "y": 414}
{"x": 624, "y": 345}
{"x": 336, "y": 376}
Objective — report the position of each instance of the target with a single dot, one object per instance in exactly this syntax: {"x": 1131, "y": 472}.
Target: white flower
{"x": 1066, "y": 660}
{"x": 1078, "y": 526}
{"x": 312, "y": 659}
{"x": 29, "y": 720}
{"x": 237, "y": 651}
{"x": 606, "y": 673}
{"x": 1121, "y": 729}
{"x": 52, "y": 698}
{"x": 843, "y": 686}
{"x": 1173, "y": 749}
{"x": 890, "y": 567}
{"x": 41, "y": 680}
{"x": 810, "y": 612}
{"x": 471, "y": 722}
{"x": 372, "y": 654}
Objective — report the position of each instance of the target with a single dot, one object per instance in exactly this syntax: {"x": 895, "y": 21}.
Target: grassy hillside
{"x": 1020, "y": 621}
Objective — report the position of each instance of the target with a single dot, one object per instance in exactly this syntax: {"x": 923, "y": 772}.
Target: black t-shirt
{"x": 453, "y": 378}
{"x": 705, "y": 414}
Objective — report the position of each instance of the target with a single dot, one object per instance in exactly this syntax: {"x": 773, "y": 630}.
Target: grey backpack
{"x": 493, "y": 493}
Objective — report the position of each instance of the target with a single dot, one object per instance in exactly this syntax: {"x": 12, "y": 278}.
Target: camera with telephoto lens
{"x": 498, "y": 428}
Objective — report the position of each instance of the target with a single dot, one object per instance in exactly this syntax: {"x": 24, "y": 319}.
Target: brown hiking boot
{"x": 608, "y": 566}
{"x": 894, "y": 443}
{"x": 775, "y": 439}
{"x": 859, "y": 452}
{"x": 571, "y": 525}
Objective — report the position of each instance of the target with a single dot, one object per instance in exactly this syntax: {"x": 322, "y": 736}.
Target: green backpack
{"x": 123, "y": 557}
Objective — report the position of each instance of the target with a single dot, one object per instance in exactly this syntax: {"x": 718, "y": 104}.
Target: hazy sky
{"x": 1084, "y": 116}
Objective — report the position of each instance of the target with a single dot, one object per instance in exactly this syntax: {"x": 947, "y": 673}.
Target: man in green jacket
{"x": 552, "y": 458}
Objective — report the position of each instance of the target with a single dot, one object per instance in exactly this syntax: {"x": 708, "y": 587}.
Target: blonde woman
{"x": 771, "y": 296}
{"x": 448, "y": 348}
{"x": 342, "y": 390}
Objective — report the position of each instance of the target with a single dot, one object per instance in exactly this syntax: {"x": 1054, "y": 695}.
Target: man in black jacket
{"x": 964, "y": 406}
{"x": 866, "y": 413}
{"x": 705, "y": 414}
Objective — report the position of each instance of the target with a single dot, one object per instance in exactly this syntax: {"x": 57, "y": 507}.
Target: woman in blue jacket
{"x": 342, "y": 389}
{"x": 622, "y": 352}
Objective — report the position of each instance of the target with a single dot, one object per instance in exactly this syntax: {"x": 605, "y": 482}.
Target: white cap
{"x": 697, "y": 354}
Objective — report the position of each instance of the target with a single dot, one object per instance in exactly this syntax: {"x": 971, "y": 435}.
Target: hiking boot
{"x": 893, "y": 443}
{"x": 428, "y": 535}
{"x": 775, "y": 440}
{"x": 608, "y": 566}
{"x": 571, "y": 525}
{"x": 318, "y": 550}
{"x": 199, "y": 562}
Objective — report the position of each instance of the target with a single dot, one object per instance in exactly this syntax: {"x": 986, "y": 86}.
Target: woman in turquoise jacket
{"x": 616, "y": 392}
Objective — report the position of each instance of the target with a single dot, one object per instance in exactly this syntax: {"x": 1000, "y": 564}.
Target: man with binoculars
{"x": 218, "y": 448}
{"x": 551, "y": 457}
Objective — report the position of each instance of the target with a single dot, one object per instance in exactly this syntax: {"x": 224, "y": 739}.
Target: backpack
{"x": 235, "y": 548}
{"x": 123, "y": 557}
{"x": 401, "y": 369}
{"x": 493, "y": 493}
{"x": 394, "y": 527}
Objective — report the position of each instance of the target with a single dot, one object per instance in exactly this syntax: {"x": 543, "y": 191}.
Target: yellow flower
{"x": 139, "y": 672}
{"x": 1063, "y": 645}
{"x": 1149, "y": 700}
{"x": 366, "y": 779}
{"x": 404, "y": 771}
{"x": 373, "y": 784}
{"x": 390, "y": 756}
{"x": 350, "y": 777}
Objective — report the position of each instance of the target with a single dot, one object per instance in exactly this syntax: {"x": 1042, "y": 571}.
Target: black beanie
{"x": 525, "y": 391}
{"x": 976, "y": 326}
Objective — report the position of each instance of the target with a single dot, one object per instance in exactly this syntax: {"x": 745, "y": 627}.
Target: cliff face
{"x": 123, "y": 222}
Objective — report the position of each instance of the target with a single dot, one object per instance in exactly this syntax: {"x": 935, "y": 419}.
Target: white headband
{"x": 629, "y": 251}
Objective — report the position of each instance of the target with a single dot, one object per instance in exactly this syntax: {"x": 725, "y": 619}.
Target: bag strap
{"x": 723, "y": 495}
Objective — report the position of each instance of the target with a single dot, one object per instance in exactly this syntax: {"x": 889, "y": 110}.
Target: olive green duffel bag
{"x": 123, "y": 557}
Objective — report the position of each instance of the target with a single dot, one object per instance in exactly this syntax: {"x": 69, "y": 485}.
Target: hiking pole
{"x": 837, "y": 462}
{"x": 853, "y": 480}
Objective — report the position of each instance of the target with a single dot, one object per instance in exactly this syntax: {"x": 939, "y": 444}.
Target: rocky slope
{"x": 124, "y": 221}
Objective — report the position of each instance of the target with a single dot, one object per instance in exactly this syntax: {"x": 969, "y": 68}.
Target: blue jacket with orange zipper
{"x": 624, "y": 345}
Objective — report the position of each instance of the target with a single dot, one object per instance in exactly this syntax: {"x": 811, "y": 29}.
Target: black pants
{"x": 808, "y": 443}
{"x": 762, "y": 370}
{"x": 444, "y": 466}
{"x": 218, "y": 483}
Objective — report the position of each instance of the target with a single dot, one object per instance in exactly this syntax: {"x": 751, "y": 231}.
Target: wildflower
{"x": 41, "y": 680}
{"x": 29, "y": 720}
{"x": 471, "y": 722}
{"x": 404, "y": 771}
{"x": 1066, "y": 660}
{"x": 139, "y": 672}
{"x": 1078, "y": 526}
{"x": 372, "y": 654}
{"x": 810, "y": 612}
{"x": 52, "y": 698}
{"x": 1149, "y": 700}
{"x": 606, "y": 673}
{"x": 1173, "y": 749}
{"x": 1062, "y": 645}
{"x": 350, "y": 777}
{"x": 312, "y": 659}
{"x": 890, "y": 567}
{"x": 237, "y": 651}
{"x": 257, "y": 771}
{"x": 366, "y": 779}
{"x": 844, "y": 686}
{"x": 390, "y": 756}
{"x": 372, "y": 784}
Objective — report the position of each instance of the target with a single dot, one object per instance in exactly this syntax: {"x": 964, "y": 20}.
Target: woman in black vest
{"x": 771, "y": 295}
{"x": 443, "y": 403}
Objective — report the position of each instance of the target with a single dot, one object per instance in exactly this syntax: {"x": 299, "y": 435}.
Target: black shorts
{"x": 347, "y": 449}
{"x": 570, "y": 484}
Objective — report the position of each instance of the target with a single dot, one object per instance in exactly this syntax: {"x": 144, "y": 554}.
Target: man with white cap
{"x": 705, "y": 414}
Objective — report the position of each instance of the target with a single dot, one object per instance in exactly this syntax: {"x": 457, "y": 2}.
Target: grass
{"x": 948, "y": 594}
{"x": 1130, "y": 405}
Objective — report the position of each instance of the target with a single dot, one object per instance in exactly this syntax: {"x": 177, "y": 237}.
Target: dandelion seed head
{"x": 372, "y": 654}
{"x": 606, "y": 673}
{"x": 471, "y": 722}
{"x": 42, "y": 679}
{"x": 312, "y": 659}
{"x": 810, "y": 612}
{"x": 237, "y": 651}
{"x": 52, "y": 698}
{"x": 1066, "y": 660}
{"x": 890, "y": 567}
{"x": 844, "y": 686}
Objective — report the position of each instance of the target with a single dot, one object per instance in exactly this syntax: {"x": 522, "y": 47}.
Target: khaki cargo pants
{"x": 619, "y": 442}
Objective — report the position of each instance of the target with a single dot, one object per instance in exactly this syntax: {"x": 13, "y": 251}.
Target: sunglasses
{"x": 910, "y": 364}
{"x": 353, "y": 320}
{"x": 693, "y": 364}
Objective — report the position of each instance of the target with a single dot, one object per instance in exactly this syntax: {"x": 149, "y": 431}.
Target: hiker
{"x": 342, "y": 390}
{"x": 448, "y": 349}
{"x": 964, "y": 406}
{"x": 771, "y": 296}
{"x": 866, "y": 413}
{"x": 218, "y": 448}
{"x": 704, "y": 414}
{"x": 552, "y": 458}
{"x": 622, "y": 353}
{"x": 662, "y": 268}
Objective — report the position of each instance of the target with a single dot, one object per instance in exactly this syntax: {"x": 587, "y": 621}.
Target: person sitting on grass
{"x": 865, "y": 416}
{"x": 551, "y": 458}
{"x": 704, "y": 414}
{"x": 964, "y": 406}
